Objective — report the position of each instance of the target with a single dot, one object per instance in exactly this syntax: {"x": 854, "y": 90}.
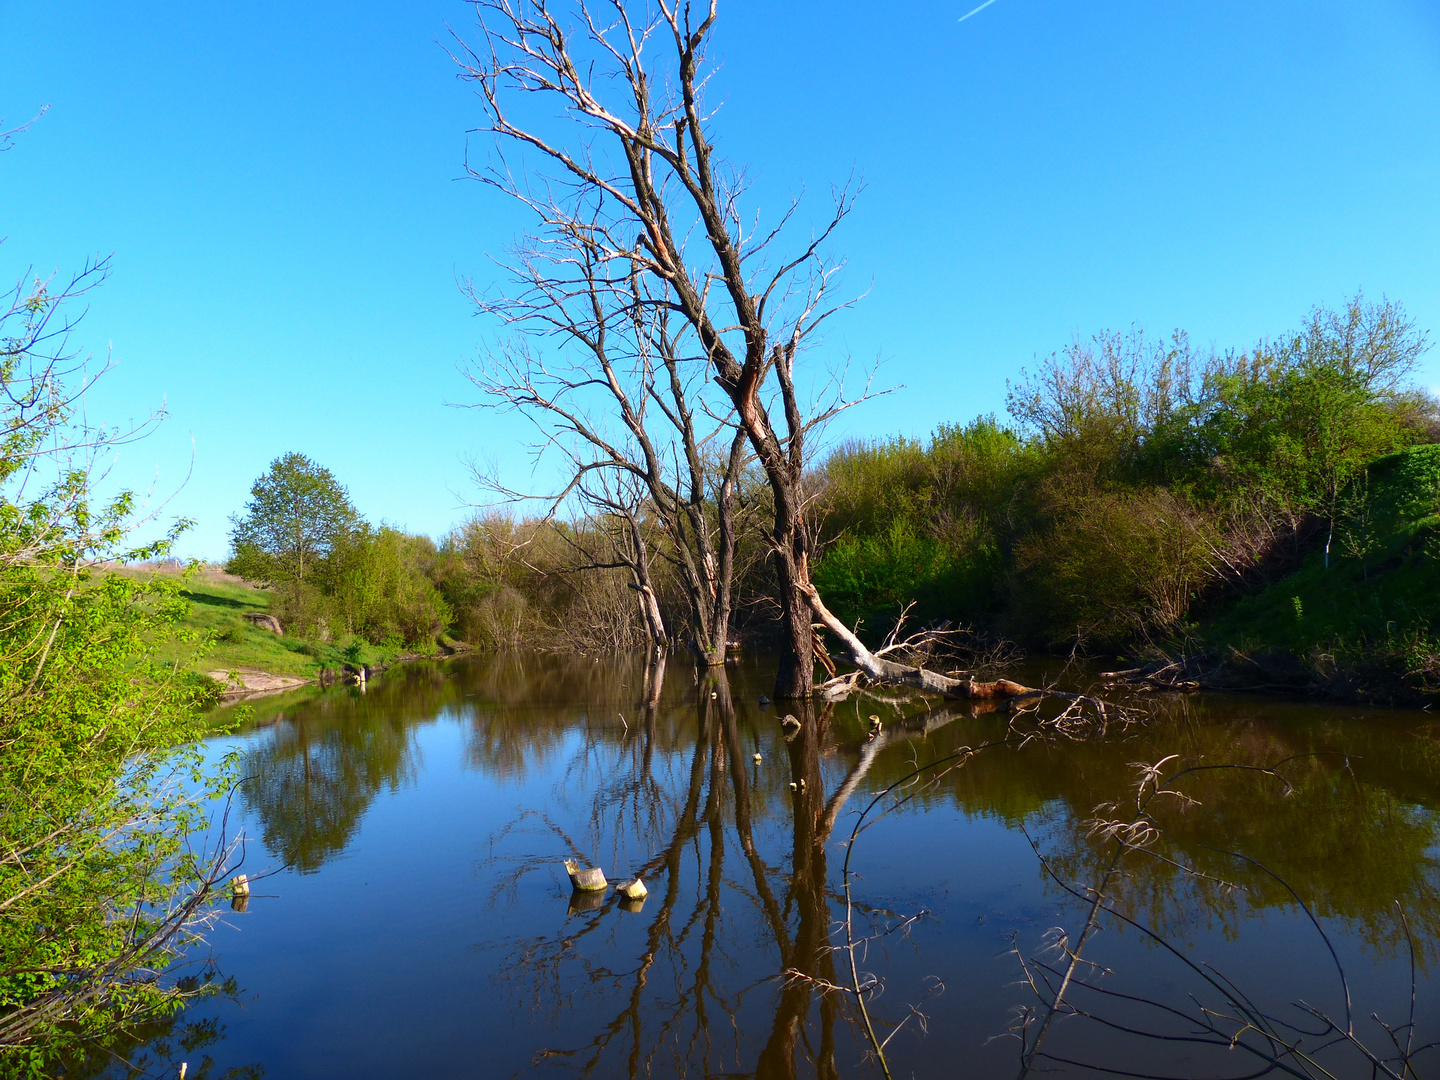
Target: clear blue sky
{"x": 278, "y": 185}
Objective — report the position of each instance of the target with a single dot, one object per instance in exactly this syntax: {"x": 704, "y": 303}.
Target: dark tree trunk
{"x": 796, "y": 675}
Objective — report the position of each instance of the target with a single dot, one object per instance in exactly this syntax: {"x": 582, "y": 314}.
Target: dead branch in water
{"x": 877, "y": 668}
{"x": 1182, "y": 675}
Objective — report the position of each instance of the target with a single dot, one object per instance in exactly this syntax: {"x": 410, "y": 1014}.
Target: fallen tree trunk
{"x": 932, "y": 682}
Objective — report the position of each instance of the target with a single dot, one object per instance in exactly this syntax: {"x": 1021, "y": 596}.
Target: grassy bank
{"x": 1366, "y": 623}
{"x": 218, "y": 605}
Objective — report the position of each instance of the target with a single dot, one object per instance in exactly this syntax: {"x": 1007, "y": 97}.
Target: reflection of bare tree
{"x": 521, "y": 707}
{"x": 691, "y": 935}
{"x": 645, "y": 807}
{"x": 692, "y": 820}
{"x": 807, "y": 958}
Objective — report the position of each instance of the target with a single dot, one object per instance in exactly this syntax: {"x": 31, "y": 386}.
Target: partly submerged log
{"x": 1084, "y": 713}
{"x": 882, "y": 670}
{"x": 589, "y": 880}
{"x": 1182, "y": 675}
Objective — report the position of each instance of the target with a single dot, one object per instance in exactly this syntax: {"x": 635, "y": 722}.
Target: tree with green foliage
{"x": 335, "y": 575}
{"x": 1301, "y": 418}
{"x": 296, "y": 514}
{"x": 104, "y": 872}
{"x": 374, "y": 584}
{"x": 1144, "y": 478}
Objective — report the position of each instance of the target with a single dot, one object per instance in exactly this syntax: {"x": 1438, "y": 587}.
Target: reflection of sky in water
{"x": 432, "y": 928}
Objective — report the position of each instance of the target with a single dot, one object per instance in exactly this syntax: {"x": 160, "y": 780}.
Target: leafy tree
{"x": 1299, "y": 420}
{"x": 375, "y": 584}
{"x": 296, "y": 514}
{"x": 336, "y": 574}
{"x": 102, "y": 875}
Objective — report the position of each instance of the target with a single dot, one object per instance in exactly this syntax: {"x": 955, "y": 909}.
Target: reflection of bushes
{"x": 311, "y": 782}
{"x": 1355, "y": 831}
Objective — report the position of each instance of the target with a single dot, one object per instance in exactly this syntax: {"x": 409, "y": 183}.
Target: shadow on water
{"x": 473, "y": 780}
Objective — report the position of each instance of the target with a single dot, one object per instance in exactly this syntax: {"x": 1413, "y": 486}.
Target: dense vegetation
{"x": 339, "y": 584}
{"x": 336, "y": 578}
{"x": 1368, "y": 622}
{"x": 1143, "y": 489}
{"x": 1144, "y": 495}
{"x": 104, "y": 871}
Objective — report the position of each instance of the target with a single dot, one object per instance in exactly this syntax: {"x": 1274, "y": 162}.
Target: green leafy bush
{"x": 102, "y": 794}
{"x": 1143, "y": 479}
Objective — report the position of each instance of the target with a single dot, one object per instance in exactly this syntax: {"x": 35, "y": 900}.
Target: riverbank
{"x": 1357, "y": 621}
{"x": 1339, "y": 601}
{"x": 246, "y": 656}
{"x": 1359, "y": 629}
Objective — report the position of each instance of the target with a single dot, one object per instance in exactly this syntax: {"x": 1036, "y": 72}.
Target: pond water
{"x": 418, "y": 920}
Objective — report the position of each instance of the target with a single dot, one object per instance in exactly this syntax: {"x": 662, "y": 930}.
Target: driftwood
{"x": 1180, "y": 675}
{"x": 1082, "y": 714}
{"x": 1271, "y": 671}
{"x": 923, "y": 679}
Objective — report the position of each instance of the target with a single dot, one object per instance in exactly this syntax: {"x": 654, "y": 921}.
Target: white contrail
{"x": 977, "y": 11}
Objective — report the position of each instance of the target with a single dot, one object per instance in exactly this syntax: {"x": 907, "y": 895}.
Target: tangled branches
{"x": 1218, "y": 1013}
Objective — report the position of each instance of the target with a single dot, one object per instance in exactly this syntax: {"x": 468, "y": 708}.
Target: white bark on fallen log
{"x": 931, "y": 682}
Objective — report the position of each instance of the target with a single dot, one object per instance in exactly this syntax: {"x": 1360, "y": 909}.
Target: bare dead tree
{"x": 633, "y": 187}
{"x": 619, "y": 402}
{"x": 620, "y": 511}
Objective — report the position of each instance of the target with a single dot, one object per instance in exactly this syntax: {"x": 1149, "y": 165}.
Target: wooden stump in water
{"x": 591, "y": 880}
{"x": 633, "y": 890}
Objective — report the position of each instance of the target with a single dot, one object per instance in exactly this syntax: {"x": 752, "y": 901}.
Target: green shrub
{"x": 1119, "y": 566}
{"x": 872, "y": 579}
{"x": 1144, "y": 478}
{"x": 104, "y": 872}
